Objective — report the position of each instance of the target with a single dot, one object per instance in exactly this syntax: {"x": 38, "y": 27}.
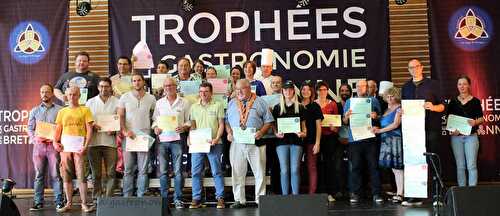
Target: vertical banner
{"x": 326, "y": 40}
{"x": 33, "y": 44}
{"x": 465, "y": 41}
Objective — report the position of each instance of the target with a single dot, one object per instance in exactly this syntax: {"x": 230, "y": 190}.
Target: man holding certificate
{"x": 290, "y": 130}
{"x": 207, "y": 114}
{"x": 171, "y": 118}
{"x": 247, "y": 119}
{"x": 359, "y": 112}
{"x": 44, "y": 154}
{"x": 103, "y": 147}
{"x": 72, "y": 139}
{"x": 135, "y": 108}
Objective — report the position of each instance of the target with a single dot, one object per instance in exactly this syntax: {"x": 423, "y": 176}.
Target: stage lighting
{"x": 83, "y": 7}
{"x": 187, "y": 5}
{"x": 401, "y": 2}
{"x": 8, "y": 184}
{"x": 302, "y": 3}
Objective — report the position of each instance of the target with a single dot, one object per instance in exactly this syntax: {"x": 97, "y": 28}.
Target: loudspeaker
{"x": 476, "y": 201}
{"x": 132, "y": 206}
{"x": 294, "y": 205}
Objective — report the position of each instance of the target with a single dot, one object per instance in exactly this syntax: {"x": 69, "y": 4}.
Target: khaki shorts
{"x": 72, "y": 164}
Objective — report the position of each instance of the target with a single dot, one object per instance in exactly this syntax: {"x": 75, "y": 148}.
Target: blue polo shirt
{"x": 375, "y": 108}
{"x": 258, "y": 116}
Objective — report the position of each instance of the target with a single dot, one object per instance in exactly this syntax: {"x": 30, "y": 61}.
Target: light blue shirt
{"x": 258, "y": 116}
{"x": 375, "y": 108}
{"x": 44, "y": 114}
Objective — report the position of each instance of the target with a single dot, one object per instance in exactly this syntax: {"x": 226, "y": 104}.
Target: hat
{"x": 288, "y": 84}
{"x": 384, "y": 86}
{"x": 267, "y": 57}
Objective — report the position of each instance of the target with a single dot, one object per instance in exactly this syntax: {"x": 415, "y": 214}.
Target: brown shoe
{"x": 195, "y": 204}
{"x": 220, "y": 203}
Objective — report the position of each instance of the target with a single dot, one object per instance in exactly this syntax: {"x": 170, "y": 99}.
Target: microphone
{"x": 430, "y": 154}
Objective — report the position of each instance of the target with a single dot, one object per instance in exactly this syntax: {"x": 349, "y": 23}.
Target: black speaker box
{"x": 474, "y": 201}
{"x": 132, "y": 206}
{"x": 294, "y": 205}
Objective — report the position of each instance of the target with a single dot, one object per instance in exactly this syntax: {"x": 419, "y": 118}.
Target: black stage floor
{"x": 366, "y": 208}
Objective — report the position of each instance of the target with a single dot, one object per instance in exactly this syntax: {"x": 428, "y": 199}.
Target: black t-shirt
{"x": 289, "y": 138}
{"x": 472, "y": 109}
{"x": 87, "y": 80}
{"x": 311, "y": 114}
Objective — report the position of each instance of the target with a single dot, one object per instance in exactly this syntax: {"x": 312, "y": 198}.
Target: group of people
{"x": 247, "y": 113}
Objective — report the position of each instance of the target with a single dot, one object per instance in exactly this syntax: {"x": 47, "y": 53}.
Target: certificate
{"x": 360, "y": 125}
{"x": 413, "y": 131}
{"x": 139, "y": 144}
{"x": 223, "y": 71}
{"x": 199, "y": 140}
{"x": 108, "y": 122}
{"x": 167, "y": 122}
{"x": 360, "y": 105}
{"x": 157, "y": 80}
{"x": 122, "y": 87}
{"x": 272, "y": 100}
{"x": 253, "y": 88}
{"x": 289, "y": 125}
{"x": 221, "y": 98}
{"x": 246, "y": 136}
{"x": 219, "y": 85}
{"x": 83, "y": 96}
{"x": 72, "y": 143}
{"x": 415, "y": 181}
{"x": 458, "y": 123}
{"x": 334, "y": 120}
{"x": 45, "y": 130}
{"x": 190, "y": 87}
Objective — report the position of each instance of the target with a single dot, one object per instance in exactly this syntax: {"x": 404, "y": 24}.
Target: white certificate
{"x": 360, "y": 105}
{"x": 199, "y": 140}
{"x": 458, "y": 123}
{"x": 157, "y": 80}
{"x": 189, "y": 87}
{"x": 72, "y": 143}
{"x": 360, "y": 125}
{"x": 415, "y": 181}
{"x": 246, "y": 136}
{"x": 334, "y": 120}
{"x": 139, "y": 144}
{"x": 413, "y": 131}
{"x": 108, "y": 122}
{"x": 289, "y": 125}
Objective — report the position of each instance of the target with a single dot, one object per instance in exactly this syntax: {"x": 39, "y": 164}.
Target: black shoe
{"x": 59, "y": 206}
{"x": 378, "y": 199}
{"x": 412, "y": 202}
{"x": 36, "y": 207}
{"x": 354, "y": 198}
{"x": 238, "y": 205}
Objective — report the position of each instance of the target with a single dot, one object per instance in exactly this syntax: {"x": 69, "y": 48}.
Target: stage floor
{"x": 366, "y": 208}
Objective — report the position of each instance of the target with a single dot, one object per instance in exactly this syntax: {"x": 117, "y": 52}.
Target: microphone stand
{"x": 436, "y": 179}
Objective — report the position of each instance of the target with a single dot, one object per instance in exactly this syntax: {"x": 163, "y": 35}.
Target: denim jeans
{"x": 197, "y": 162}
{"x": 359, "y": 152}
{"x": 465, "y": 150}
{"x": 133, "y": 161}
{"x": 289, "y": 157}
{"x": 173, "y": 149}
{"x": 46, "y": 157}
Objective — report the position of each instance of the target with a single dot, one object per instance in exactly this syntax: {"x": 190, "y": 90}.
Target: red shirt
{"x": 332, "y": 109}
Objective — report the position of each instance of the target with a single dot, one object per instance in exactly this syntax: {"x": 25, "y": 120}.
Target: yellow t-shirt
{"x": 73, "y": 120}
{"x": 207, "y": 116}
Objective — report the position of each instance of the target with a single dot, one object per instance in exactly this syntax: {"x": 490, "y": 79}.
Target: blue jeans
{"x": 175, "y": 149}
{"x": 289, "y": 157}
{"x": 197, "y": 162}
{"x": 46, "y": 157}
{"x": 465, "y": 150}
{"x": 133, "y": 161}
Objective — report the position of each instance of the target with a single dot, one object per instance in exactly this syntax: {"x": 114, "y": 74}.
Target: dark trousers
{"x": 327, "y": 173}
{"x": 364, "y": 151}
{"x": 273, "y": 165}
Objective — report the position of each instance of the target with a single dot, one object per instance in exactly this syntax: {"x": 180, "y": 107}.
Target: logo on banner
{"x": 470, "y": 28}
{"x": 29, "y": 42}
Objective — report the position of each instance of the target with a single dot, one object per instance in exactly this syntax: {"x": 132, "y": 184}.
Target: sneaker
{"x": 437, "y": 203}
{"x": 354, "y": 198}
{"x": 220, "y": 203}
{"x": 59, "y": 206}
{"x": 36, "y": 207}
{"x": 377, "y": 199}
{"x": 330, "y": 198}
{"x": 195, "y": 204}
{"x": 178, "y": 204}
{"x": 390, "y": 193}
{"x": 412, "y": 202}
{"x": 238, "y": 205}
{"x": 66, "y": 208}
{"x": 397, "y": 198}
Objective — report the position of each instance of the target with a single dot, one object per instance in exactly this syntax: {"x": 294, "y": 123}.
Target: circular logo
{"x": 29, "y": 42}
{"x": 470, "y": 28}
{"x": 78, "y": 81}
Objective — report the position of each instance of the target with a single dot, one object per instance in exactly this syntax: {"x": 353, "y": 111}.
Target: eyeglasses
{"x": 413, "y": 67}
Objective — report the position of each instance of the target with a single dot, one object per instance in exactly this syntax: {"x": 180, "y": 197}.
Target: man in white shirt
{"x": 103, "y": 146}
{"x": 174, "y": 107}
{"x": 135, "y": 108}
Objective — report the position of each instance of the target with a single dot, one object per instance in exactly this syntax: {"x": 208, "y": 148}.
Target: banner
{"x": 326, "y": 40}
{"x": 33, "y": 44}
{"x": 464, "y": 41}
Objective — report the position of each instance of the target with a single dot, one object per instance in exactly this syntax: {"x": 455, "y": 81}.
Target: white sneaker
{"x": 331, "y": 199}
{"x": 437, "y": 203}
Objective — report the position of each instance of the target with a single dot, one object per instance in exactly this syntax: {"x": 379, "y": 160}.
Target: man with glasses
{"x": 103, "y": 147}
{"x": 176, "y": 107}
